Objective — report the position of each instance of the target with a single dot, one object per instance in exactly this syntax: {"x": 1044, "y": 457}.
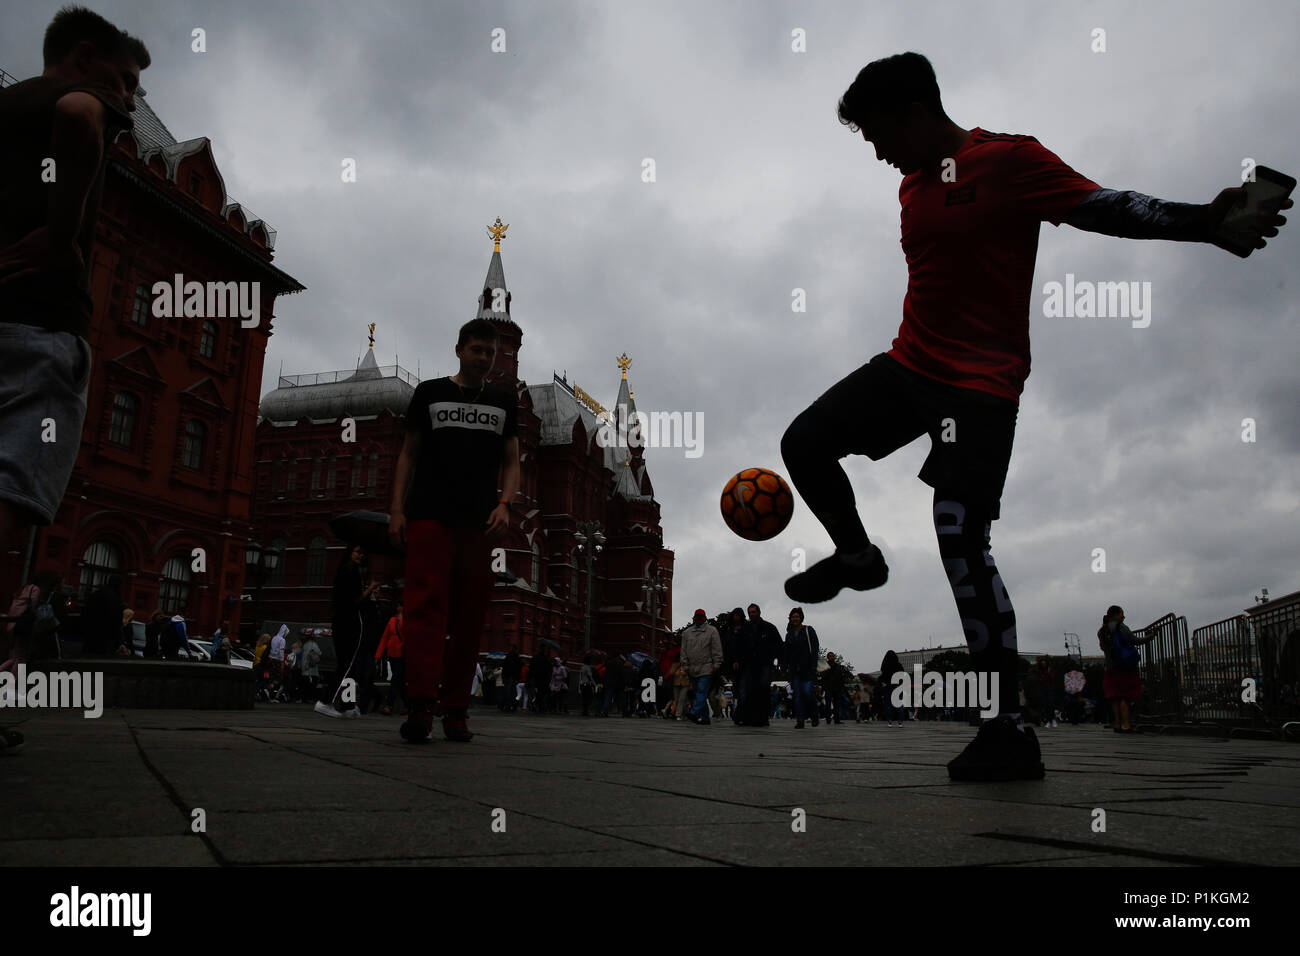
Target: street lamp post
{"x": 261, "y": 563}
{"x": 655, "y": 590}
{"x": 590, "y": 543}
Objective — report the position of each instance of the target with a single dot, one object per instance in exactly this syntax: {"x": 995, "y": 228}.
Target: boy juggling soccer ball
{"x": 972, "y": 202}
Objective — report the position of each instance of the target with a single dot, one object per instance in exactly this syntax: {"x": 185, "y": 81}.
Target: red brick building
{"x": 162, "y": 487}
{"x": 307, "y": 475}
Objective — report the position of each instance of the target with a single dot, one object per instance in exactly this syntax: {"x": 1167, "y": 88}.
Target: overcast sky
{"x": 1129, "y": 439}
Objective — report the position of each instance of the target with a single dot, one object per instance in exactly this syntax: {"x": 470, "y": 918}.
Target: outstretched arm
{"x": 1133, "y": 215}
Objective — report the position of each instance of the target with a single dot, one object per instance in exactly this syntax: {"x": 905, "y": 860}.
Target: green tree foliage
{"x": 949, "y": 661}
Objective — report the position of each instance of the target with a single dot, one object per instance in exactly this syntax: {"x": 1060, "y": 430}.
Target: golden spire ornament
{"x": 372, "y": 336}
{"x": 497, "y": 232}
{"x": 624, "y": 363}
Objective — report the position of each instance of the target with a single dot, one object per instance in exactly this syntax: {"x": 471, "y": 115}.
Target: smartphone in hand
{"x": 1269, "y": 188}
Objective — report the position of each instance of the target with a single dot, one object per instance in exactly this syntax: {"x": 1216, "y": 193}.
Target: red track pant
{"x": 448, "y": 588}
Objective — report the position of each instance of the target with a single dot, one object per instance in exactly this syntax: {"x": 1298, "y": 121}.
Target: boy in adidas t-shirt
{"x": 461, "y": 442}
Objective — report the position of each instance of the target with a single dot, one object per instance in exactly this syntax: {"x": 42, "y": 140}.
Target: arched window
{"x": 195, "y": 435}
{"x": 331, "y": 473}
{"x": 537, "y": 565}
{"x": 208, "y": 341}
{"x": 356, "y": 475}
{"x": 316, "y": 562}
{"x": 100, "y": 560}
{"x": 276, "y": 578}
{"x": 315, "y": 476}
{"x": 121, "y": 430}
{"x": 174, "y": 593}
{"x": 140, "y": 307}
{"x": 292, "y": 482}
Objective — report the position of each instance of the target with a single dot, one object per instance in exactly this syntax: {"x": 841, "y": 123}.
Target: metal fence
{"x": 1221, "y": 657}
{"x": 330, "y": 378}
{"x": 1163, "y": 667}
{"x": 1276, "y": 637}
{"x": 1200, "y": 677}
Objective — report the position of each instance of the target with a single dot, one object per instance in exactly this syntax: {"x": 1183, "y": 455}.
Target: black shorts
{"x": 883, "y": 406}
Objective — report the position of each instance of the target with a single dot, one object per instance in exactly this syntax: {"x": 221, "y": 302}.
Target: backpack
{"x": 1124, "y": 655}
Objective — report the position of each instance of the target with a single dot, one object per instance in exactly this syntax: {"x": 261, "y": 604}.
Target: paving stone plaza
{"x": 280, "y": 785}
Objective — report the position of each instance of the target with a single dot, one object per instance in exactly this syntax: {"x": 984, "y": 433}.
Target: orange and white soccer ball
{"x": 757, "y": 504}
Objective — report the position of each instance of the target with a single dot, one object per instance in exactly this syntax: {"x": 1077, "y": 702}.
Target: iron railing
{"x": 330, "y": 378}
{"x": 1275, "y": 633}
{"x": 1162, "y": 667}
{"x": 1221, "y": 657}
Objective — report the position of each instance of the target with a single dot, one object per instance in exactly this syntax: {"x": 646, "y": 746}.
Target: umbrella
{"x": 1074, "y": 681}
{"x": 366, "y": 528}
{"x": 547, "y": 642}
{"x": 639, "y": 657}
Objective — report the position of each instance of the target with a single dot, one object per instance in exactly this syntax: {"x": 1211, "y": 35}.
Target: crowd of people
{"x": 104, "y": 624}
{"x": 737, "y": 666}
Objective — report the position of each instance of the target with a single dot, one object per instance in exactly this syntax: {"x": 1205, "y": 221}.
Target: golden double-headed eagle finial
{"x": 497, "y": 232}
{"x": 624, "y": 363}
{"x": 372, "y": 335}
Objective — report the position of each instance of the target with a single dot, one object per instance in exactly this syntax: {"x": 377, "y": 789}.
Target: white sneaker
{"x": 325, "y": 710}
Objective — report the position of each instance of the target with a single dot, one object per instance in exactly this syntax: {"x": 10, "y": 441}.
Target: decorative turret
{"x": 494, "y": 305}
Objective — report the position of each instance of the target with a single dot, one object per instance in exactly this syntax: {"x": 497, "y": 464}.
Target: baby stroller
{"x": 271, "y": 688}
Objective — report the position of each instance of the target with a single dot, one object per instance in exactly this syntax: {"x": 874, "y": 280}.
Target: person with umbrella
{"x": 350, "y": 591}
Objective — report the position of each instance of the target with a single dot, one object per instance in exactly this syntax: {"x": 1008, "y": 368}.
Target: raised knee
{"x": 797, "y": 440}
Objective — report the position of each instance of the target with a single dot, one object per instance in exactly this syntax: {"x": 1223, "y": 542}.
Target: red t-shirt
{"x": 970, "y": 246}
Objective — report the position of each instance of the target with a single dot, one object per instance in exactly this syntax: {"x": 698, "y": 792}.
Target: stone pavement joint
{"x": 186, "y": 812}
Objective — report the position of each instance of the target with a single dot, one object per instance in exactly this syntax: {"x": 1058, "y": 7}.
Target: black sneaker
{"x": 814, "y": 721}
{"x": 418, "y": 724}
{"x": 999, "y": 752}
{"x": 455, "y": 725}
{"x": 828, "y": 576}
